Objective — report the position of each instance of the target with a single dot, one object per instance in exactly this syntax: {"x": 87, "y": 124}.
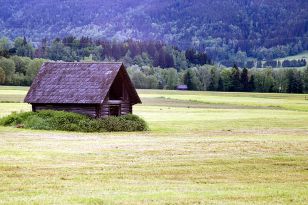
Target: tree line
{"x": 21, "y": 71}
{"x": 148, "y": 65}
{"x": 153, "y": 53}
{"x": 130, "y": 52}
{"x": 18, "y": 70}
{"x": 213, "y": 78}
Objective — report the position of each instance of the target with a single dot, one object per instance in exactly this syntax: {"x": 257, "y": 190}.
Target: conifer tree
{"x": 212, "y": 85}
{"x": 295, "y": 83}
{"x": 220, "y": 84}
{"x": 235, "y": 79}
{"x": 244, "y": 80}
{"x": 251, "y": 84}
{"x": 191, "y": 80}
{"x": 299, "y": 85}
{"x": 188, "y": 80}
{"x": 305, "y": 79}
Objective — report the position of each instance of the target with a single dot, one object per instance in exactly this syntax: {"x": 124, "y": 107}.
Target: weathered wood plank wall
{"x": 126, "y": 108}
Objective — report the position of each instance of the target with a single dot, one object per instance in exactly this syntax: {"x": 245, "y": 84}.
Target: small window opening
{"x": 114, "y": 110}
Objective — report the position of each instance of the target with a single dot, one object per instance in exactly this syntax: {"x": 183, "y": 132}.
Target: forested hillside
{"x": 229, "y": 30}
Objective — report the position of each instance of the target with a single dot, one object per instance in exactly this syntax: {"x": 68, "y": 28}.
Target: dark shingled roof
{"x": 85, "y": 83}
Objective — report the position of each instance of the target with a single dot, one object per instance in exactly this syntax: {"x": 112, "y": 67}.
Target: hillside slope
{"x": 230, "y": 25}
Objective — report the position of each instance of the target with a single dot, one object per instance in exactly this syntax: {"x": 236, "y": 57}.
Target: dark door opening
{"x": 114, "y": 110}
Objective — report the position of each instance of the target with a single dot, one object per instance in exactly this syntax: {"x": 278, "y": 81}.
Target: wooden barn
{"x": 94, "y": 89}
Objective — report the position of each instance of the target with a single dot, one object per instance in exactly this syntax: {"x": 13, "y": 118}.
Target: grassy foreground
{"x": 203, "y": 148}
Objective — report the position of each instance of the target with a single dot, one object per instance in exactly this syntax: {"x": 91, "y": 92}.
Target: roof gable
{"x": 80, "y": 83}
{"x": 134, "y": 98}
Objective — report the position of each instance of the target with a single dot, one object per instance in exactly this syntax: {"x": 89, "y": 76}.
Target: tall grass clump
{"x": 67, "y": 121}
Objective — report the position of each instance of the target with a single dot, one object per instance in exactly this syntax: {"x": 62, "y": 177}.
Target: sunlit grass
{"x": 8, "y": 108}
{"x": 203, "y": 148}
{"x": 282, "y": 101}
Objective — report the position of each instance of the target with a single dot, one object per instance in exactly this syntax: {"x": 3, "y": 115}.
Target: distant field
{"x": 203, "y": 148}
{"x": 303, "y": 55}
{"x": 300, "y": 56}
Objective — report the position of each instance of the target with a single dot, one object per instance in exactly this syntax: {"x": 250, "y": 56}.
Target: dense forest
{"x": 229, "y": 31}
{"x": 150, "y": 65}
{"x": 130, "y": 52}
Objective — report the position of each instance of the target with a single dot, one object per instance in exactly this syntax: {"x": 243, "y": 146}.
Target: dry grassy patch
{"x": 195, "y": 153}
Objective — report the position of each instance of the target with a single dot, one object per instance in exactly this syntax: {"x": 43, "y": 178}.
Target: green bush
{"x": 15, "y": 118}
{"x": 36, "y": 122}
{"x": 67, "y": 121}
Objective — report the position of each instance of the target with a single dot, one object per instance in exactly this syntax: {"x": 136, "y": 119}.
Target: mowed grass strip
{"x": 76, "y": 168}
{"x": 8, "y": 108}
{"x": 196, "y": 98}
{"x": 203, "y": 148}
{"x": 298, "y": 102}
{"x": 10, "y": 94}
{"x": 175, "y": 119}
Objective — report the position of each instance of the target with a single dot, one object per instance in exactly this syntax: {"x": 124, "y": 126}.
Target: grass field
{"x": 203, "y": 148}
{"x": 300, "y": 56}
{"x": 303, "y": 55}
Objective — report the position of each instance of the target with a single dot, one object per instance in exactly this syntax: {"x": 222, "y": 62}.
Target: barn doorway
{"x": 114, "y": 110}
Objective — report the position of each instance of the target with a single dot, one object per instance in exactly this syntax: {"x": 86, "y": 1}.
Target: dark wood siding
{"x": 104, "y": 109}
{"x": 90, "y": 110}
{"x": 126, "y": 108}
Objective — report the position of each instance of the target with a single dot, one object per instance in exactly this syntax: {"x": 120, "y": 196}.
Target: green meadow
{"x": 303, "y": 55}
{"x": 202, "y": 148}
